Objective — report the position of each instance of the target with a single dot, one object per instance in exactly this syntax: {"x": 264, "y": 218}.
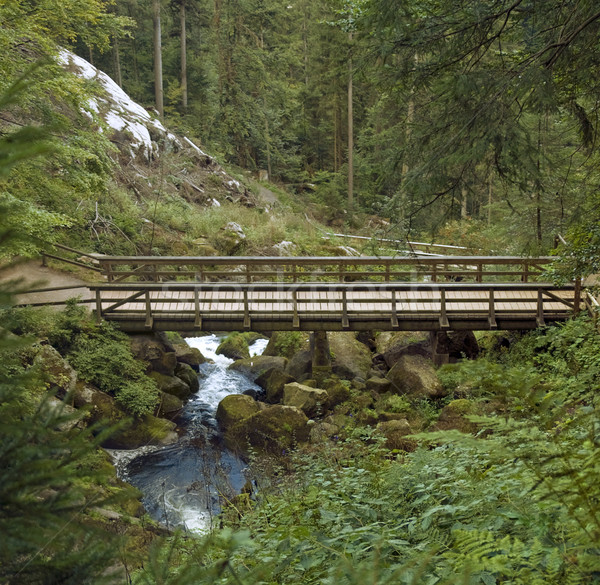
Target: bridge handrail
{"x": 118, "y": 268}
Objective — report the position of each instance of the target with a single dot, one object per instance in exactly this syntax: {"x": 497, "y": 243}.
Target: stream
{"x": 184, "y": 483}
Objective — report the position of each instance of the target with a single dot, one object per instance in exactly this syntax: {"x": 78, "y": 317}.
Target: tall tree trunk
{"x": 158, "y": 81}
{"x": 117, "y": 59}
{"x": 350, "y": 131}
{"x": 463, "y": 205}
{"x": 184, "y": 88}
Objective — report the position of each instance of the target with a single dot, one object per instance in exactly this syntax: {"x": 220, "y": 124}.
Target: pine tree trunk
{"x": 158, "y": 81}
{"x": 350, "y": 132}
{"x": 117, "y": 58}
{"x": 184, "y": 88}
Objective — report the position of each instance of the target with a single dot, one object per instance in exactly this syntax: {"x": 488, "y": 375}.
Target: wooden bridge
{"x": 190, "y": 294}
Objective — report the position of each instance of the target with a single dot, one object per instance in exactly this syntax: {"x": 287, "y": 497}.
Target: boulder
{"x": 148, "y": 430}
{"x": 300, "y": 365}
{"x": 395, "y": 433}
{"x": 152, "y": 351}
{"x": 274, "y": 429}
{"x": 309, "y": 400}
{"x": 323, "y": 431}
{"x": 84, "y": 394}
{"x": 255, "y": 366}
{"x": 455, "y": 344}
{"x": 230, "y": 238}
{"x": 454, "y": 416}
{"x": 235, "y": 347}
{"x": 186, "y": 373}
{"x": 287, "y": 343}
{"x": 169, "y": 405}
{"x": 171, "y": 385}
{"x": 351, "y": 358}
{"x": 415, "y": 375}
{"x": 336, "y": 392}
{"x": 56, "y": 371}
{"x": 378, "y": 384}
{"x": 272, "y": 382}
{"x": 235, "y": 408}
{"x": 387, "y": 340}
{"x": 393, "y": 355}
{"x": 67, "y": 416}
{"x": 191, "y": 356}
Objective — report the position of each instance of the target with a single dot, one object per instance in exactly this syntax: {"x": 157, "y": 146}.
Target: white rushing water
{"x": 183, "y": 483}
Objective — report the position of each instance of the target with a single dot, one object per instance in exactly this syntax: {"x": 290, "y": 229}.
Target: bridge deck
{"x": 272, "y": 307}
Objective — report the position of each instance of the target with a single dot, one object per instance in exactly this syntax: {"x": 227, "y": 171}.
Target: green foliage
{"x": 289, "y": 343}
{"x": 103, "y": 357}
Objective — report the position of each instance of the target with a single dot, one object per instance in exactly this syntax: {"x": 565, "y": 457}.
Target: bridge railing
{"x": 322, "y": 269}
{"x": 270, "y": 306}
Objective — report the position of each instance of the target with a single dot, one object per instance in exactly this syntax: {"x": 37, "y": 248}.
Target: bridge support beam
{"x": 321, "y": 355}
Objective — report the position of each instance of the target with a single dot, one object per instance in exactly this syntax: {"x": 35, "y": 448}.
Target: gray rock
{"x": 234, "y": 408}
{"x": 309, "y": 400}
{"x": 255, "y": 366}
{"x": 57, "y": 372}
{"x": 415, "y": 375}
{"x": 272, "y": 382}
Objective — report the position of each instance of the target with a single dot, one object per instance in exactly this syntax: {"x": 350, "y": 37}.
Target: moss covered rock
{"x": 416, "y": 376}
{"x": 152, "y": 351}
{"x": 172, "y": 385}
{"x": 300, "y": 365}
{"x": 234, "y": 409}
{"x": 351, "y": 358}
{"x": 287, "y": 343}
{"x": 169, "y": 405}
{"x": 337, "y": 392}
{"x": 395, "y": 433}
{"x": 186, "y": 373}
{"x": 272, "y": 382}
{"x": 310, "y": 400}
{"x": 273, "y": 429}
{"x": 235, "y": 347}
{"x": 454, "y": 416}
{"x": 175, "y": 343}
{"x": 56, "y": 371}
{"x": 255, "y": 366}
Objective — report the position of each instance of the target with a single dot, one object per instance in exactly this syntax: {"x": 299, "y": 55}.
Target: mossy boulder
{"x": 255, "y": 366}
{"x": 56, "y": 371}
{"x": 454, "y": 416}
{"x": 309, "y": 400}
{"x": 235, "y": 408}
{"x": 387, "y": 340}
{"x": 415, "y": 376}
{"x": 337, "y": 392}
{"x": 175, "y": 343}
{"x": 235, "y": 347}
{"x": 186, "y": 373}
{"x": 323, "y": 431}
{"x": 395, "y": 433}
{"x": 272, "y": 382}
{"x": 287, "y": 343}
{"x": 130, "y": 433}
{"x": 149, "y": 430}
{"x": 152, "y": 351}
{"x": 300, "y": 365}
{"x": 351, "y": 358}
{"x": 378, "y": 384}
{"x": 169, "y": 405}
{"x": 274, "y": 429}
{"x": 172, "y": 385}
{"x": 230, "y": 239}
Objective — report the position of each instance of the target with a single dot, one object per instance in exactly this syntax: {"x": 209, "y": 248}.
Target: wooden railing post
{"x": 540, "y": 309}
{"x": 98, "y": 306}
{"x": 394, "y": 319}
{"x": 577, "y": 296}
{"x": 247, "y": 321}
{"x": 479, "y": 272}
{"x": 492, "y": 311}
{"x": 149, "y": 319}
{"x": 525, "y": 273}
{"x": 197, "y": 316}
{"x": 295, "y": 319}
{"x": 444, "y": 324}
{"x": 345, "y": 320}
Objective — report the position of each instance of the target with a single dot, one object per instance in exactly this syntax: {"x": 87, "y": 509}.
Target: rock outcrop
{"x": 416, "y": 376}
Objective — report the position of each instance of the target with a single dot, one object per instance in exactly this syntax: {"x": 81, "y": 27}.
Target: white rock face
{"x": 120, "y": 112}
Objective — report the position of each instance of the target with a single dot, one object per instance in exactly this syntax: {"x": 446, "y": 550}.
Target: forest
{"x": 473, "y": 124}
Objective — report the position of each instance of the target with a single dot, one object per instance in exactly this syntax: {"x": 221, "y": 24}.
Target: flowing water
{"x": 183, "y": 484}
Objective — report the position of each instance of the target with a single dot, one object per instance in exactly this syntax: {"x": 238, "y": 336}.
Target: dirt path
{"x": 31, "y": 275}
